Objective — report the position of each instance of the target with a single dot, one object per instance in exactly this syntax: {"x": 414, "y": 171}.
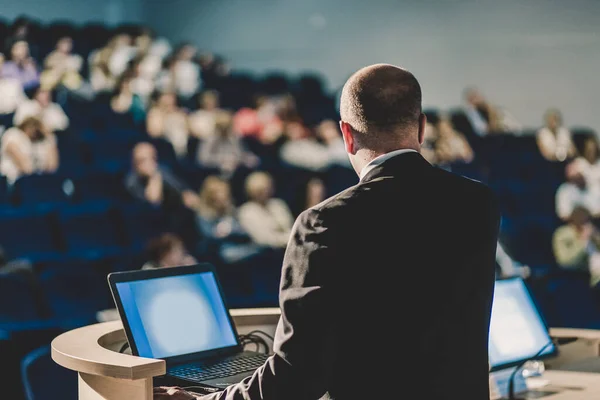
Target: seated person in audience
{"x": 152, "y": 183}
{"x": 219, "y": 223}
{"x": 142, "y": 84}
{"x": 576, "y": 192}
{"x": 429, "y": 141}
{"x": 42, "y": 107}
{"x": 303, "y": 150}
{"x": 577, "y": 243}
{"x": 186, "y": 71}
{"x": 27, "y": 149}
{"x": 167, "y": 250}
{"x": 124, "y": 101}
{"x": 589, "y": 161}
{"x": 486, "y": 118}
{"x": 122, "y": 52}
{"x": 11, "y": 92}
{"x": 21, "y": 66}
{"x": 252, "y": 122}
{"x": 62, "y": 67}
{"x": 315, "y": 193}
{"x": 267, "y": 220}
{"x": 554, "y": 140}
{"x": 225, "y": 150}
{"x": 451, "y": 146}
{"x": 330, "y": 136}
{"x": 203, "y": 122}
{"x": 101, "y": 79}
{"x": 167, "y": 120}
{"x": 508, "y": 266}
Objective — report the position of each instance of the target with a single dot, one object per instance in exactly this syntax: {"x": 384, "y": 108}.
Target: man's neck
{"x": 366, "y": 156}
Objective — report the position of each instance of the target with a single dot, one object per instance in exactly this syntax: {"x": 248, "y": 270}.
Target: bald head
{"x": 381, "y": 103}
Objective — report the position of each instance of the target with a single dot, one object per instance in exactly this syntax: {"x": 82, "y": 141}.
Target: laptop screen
{"x": 517, "y": 329}
{"x": 176, "y": 315}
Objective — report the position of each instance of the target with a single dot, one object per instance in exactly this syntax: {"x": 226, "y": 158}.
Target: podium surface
{"x": 104, "y": 373}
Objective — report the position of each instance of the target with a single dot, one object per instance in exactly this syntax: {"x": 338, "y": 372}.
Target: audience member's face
{"x": 65, "y": 45}
{"x": 444, "y": 127}
{"x": 122, "y": 40}
{"x": 43, "y": 97}
{"x": 590, "y": 150}
{"x": 474, "y": 98}
{"x": 263, "y": 191}
{"x": 20, "y": 51}
{"x": 221, "y": 197}
{"x": 175, "y": 257}
{"x": 553, "y": 121}
{"x": 167, "y": 101}
{"x": 328, "y": 131}
{"x": 145, "y": 160}
{"x": 295, "y": 131}
{"x": 210, "y": 101}
{"x": 187, "y": 53}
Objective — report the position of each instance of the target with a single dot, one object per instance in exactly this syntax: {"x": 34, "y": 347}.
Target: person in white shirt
{"x": 267, "y": 220}
{"x": 27, "y": 149}
{"x": 203, "y": 122}
{"x": 576, "y": 192}
{"x": 41, "y": 106}
{"x": 62, "y": 67}
{"x": 554, "y": 140}
{"x": 186, "y": 71}
{"x": 165, "y": 119}
{"x": 589, "y": 161}
{"x": 11, "y": 92}
{"x": 508, "y": 266}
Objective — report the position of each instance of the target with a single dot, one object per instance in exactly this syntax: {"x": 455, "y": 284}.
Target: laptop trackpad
{"x": 222, "y": 383}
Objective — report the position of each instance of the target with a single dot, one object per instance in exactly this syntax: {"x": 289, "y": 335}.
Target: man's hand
{"x": 172, "y": 393}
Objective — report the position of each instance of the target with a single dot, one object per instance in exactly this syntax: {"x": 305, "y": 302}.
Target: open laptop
{"x": 179, "y": 315}
{"x": 518, "y": 332}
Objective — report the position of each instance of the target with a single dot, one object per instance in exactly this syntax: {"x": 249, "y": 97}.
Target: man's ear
{"x": 422, "y": 124}
{"x": 348, "y": 138}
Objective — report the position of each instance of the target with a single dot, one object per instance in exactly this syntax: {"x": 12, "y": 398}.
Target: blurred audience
{"x": 576, "y": 192}
{"x": 315, "y": 192}
{"x": 577, "y": 243}
{"x": 486, "y": 118}
{"x": 589, "y": 161}
{"x": 508, "y": 266}
{"x": 219, "y": 223}
{"x": 155, "y": 184}
{"x": 225, "y": 150}
{"x": 11, "y": 91}
{"x": 124, "y": 101}
{"x": 62, "y": 67}
{"x": 303, "y": 150}
{"x": 167, "y": 120}
{"x": 554, "y": 140}
{"x": 267, "y": 220}
{"x": 41, "y": 106}
{"x": 451, "y": 146}
{"x": 203, "y": 122}
{"x": 186, "y": 71}
{"x": 167, "y": 250}
{"x": 21, "y": 66}
{"x": 27, "y": 149}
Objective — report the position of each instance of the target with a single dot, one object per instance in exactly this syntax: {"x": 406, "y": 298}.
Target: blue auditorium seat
{"x": 75, "y": 293}
{"x": 17, "y": 299}
{"x": 100, "y": 186}
{"x": 571, "y": 301}
{"x": 111, "y": 155}
{"x": 90, "y": 231}
{"x": 43, "y": 379}
{"x": 4, "y": 195}
{"x": 29, "y": 233}
{"x": 166, "y": 153}
{"x": 42, "y": 189}
{"x": 141, "y": 222}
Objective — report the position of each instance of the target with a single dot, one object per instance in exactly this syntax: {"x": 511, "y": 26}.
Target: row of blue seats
{"x": 88, "y": 230}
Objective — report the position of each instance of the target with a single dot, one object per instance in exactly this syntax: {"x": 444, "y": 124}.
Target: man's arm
{"x": 302, "y": 364}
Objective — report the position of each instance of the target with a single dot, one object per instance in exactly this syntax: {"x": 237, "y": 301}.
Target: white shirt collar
{"x": 381, "y": 159}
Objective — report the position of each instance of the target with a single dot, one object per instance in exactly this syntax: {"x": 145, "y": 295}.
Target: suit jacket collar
{"x": 391, "y": 167}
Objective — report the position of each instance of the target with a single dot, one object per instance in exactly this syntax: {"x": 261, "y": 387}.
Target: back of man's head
{"x": 382, "y": 104}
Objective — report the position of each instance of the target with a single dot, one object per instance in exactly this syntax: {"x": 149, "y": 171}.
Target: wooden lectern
{"x": 104, "y": 373}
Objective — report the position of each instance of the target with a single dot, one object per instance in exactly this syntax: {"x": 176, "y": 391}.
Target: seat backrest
{"x": 75, "y": 293}
{"x": 42, "y": 189}
{"x": 17, "y": 298}
{"x": 27, "y": 231}
{"x": 141, "y": 223}
{"x": 43, "y": 379}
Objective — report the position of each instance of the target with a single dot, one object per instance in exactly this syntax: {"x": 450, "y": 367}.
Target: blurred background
{"x": 149, "y": 133}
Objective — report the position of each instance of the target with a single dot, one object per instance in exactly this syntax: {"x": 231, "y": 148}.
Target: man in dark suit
{"x": 387, "y": 287}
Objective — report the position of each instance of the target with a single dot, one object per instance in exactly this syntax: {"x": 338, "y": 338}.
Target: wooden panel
{"x": 94, "y": 387}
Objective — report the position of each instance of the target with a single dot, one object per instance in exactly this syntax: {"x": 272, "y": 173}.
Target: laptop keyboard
{"x": 197, "y": 372}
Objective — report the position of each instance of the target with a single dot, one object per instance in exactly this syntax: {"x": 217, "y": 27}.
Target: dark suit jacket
{"x": 386, "y": 292}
